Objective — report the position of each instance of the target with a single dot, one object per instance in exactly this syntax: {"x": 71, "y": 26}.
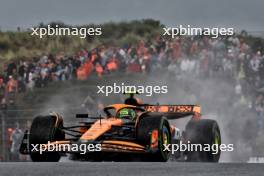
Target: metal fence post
{"x": 3, "y": 135}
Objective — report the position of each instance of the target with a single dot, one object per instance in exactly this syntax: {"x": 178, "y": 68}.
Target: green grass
{"x": 23, "y": 46}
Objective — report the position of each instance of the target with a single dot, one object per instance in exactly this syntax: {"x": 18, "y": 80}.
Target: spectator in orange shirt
{"x": 99, "y": 70}
{"x": 11, "y": 89}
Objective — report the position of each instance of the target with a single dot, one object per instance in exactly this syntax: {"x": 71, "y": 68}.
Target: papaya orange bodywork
{"x": 100, "y": 127}
{"x": 121, "y": 146}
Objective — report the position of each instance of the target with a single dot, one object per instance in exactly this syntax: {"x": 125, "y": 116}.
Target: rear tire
{"x": 144, "y": 130}
{"x": 44, "y": 129}
{"x": 204, "y": 131}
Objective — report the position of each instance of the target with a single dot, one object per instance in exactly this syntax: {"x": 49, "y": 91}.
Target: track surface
{"x": 133, "y": 168}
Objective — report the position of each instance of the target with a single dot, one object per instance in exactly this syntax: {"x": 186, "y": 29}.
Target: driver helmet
{"x": 127, "y": 113}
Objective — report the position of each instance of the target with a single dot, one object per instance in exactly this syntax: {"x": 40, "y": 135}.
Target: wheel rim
{"x": 165, "y": 136}
{"x": 164, "y": 139}
{"x": 216, "y": 139}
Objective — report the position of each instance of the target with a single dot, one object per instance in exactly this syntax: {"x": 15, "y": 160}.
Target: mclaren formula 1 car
{"x": 125, "y": 131}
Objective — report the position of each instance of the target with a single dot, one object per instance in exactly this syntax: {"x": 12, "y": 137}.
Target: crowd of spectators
{"x": 203, "y": 57}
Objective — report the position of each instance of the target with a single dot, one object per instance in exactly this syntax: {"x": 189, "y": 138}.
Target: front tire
{"x": 44, "y": 129}
{"x": 145, "y": 129}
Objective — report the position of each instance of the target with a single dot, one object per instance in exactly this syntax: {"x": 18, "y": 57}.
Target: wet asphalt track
{"x": 132, "y": 168}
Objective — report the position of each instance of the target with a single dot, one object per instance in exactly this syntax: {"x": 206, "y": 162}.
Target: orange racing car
{"x": 124, "y": 132}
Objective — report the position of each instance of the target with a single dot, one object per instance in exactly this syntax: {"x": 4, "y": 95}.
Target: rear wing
{"x": 175, "y": 111}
